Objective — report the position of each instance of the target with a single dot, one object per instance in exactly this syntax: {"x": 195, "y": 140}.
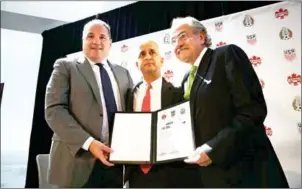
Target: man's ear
{"x": 202, "y": 36}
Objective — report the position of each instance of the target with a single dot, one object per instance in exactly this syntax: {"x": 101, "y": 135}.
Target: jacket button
{"x": 101, "y": 114}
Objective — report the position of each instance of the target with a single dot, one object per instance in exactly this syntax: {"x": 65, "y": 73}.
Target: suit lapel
{"x": 166, "y": 95}
{"x": 116, "y": 73}
{"x": 201, "y": 72}
{"x": 86, "y": 70}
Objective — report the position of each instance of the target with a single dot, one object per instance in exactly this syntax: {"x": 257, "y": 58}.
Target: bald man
{"x": 162, "y": 94}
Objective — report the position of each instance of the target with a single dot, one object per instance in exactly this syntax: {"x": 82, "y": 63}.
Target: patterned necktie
{"x": 109, "y": 101}
{"x": 146, "y": 107}
{"x": 190, "y": 82}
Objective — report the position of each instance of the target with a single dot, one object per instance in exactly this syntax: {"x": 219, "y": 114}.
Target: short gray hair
{"x": 95, "y": 22}
{"x": 193, "y": 22}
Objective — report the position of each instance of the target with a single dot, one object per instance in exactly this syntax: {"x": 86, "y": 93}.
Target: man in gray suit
{"x": 81, "y": 97}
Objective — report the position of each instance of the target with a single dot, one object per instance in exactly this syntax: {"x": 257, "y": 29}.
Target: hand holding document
{"x": 156, "y": 137}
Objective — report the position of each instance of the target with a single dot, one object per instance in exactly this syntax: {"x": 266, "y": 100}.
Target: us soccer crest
{"x": 251, "y": 39}
{"x": 285, "y": 33}
{"x": 281, "y": 13}
{"x": 124, "y": 48}
{"x": 168, "y": 55}
{"x": 221, "y": 43}
{"x": 297, "y": 103}
{"x": 294, "y": 79}
{"x": 248, "y": 21}
{"x": 255, "y": 60}
{"x": 219, "y": 26}
{"x": 290, "y": 54}
{"x": 167, "y": 39}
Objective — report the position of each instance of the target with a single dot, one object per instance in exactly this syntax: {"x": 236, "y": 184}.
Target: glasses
{"x": 181, "y": 37}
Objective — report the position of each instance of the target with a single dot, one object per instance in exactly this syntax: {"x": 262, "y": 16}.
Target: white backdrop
{"x": 271, "y": 37}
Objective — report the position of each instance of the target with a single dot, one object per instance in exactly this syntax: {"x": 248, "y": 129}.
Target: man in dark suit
{"x": 151, "y": 94}
{"x": 228, "y": 111}
{"x": 81, "y": 97}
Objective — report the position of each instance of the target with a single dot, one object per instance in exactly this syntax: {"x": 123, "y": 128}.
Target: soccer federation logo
{"x": 285, "y": 34}
{"x": 248, "y": 21}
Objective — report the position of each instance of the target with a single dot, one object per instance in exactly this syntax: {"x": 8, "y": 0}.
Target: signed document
{"x": 157, "y": 137}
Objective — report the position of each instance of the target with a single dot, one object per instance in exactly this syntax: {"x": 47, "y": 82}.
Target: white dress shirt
{"x": 204, "y": 148}
{"x": 105, "y": 128}
{"x": 155, "y": 93}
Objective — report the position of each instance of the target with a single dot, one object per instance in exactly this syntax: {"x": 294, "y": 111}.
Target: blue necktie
{"x": 108, "y": 95}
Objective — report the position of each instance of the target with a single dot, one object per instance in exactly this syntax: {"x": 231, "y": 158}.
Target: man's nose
{"x": 96, "y": 40}
{"x": 148, "y": 56}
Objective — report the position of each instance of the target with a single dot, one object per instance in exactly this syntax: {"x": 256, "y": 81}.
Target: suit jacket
{"x": 73, "y": 110}
{"x": 228, "y": 111}
{"x": 170, "y": 95}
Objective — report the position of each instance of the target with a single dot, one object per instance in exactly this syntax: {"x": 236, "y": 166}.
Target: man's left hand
{"x": 204, "y": 160}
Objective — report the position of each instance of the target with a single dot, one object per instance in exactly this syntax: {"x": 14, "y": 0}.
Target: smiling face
{"x": 149, "y": 59}
{"x": 96, "y": 42}
{"x": 188, "y": 43}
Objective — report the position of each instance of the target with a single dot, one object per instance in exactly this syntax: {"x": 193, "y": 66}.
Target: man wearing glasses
{"x": 228, "y": 111}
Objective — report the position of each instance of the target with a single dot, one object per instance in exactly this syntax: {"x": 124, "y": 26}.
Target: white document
{"x": 131, "y": 137}
{"x": 174, "y": 133}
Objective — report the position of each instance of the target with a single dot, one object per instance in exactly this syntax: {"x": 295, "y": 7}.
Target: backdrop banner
{"x": 271, "y": 37}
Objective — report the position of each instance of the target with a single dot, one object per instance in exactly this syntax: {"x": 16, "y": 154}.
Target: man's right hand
{"x": 100, "y": 151}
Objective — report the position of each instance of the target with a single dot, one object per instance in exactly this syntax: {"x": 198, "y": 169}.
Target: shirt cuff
{"x": 204, "y": 148}
{"x": 87, "y": 143}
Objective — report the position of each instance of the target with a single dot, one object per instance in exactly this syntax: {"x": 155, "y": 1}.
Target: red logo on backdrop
{"x": 290, "y": 54}
{"x": 220, "y": 44}
{"x": 268, "y": 131}
{"x": 255, "y": 60}
{"x": 294, "y": 79}
{"x": 219, "y": 26}
{"x": 262, "y": 83}
{"x": 248, "y": 21}
{"x": 168, "y": 55}
{"x": 251, "y": 39}
{"x": 281, "y": 13}
{"x": 168, "y": 75}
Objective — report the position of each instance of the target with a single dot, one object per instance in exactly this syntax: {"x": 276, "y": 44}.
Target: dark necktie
{"x": 108, "y": 95}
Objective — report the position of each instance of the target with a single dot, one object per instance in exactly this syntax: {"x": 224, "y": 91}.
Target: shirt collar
{"x": 197, "y": 61}
{"x": 155, "y": 84}
{"x": 104, "y": 62}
